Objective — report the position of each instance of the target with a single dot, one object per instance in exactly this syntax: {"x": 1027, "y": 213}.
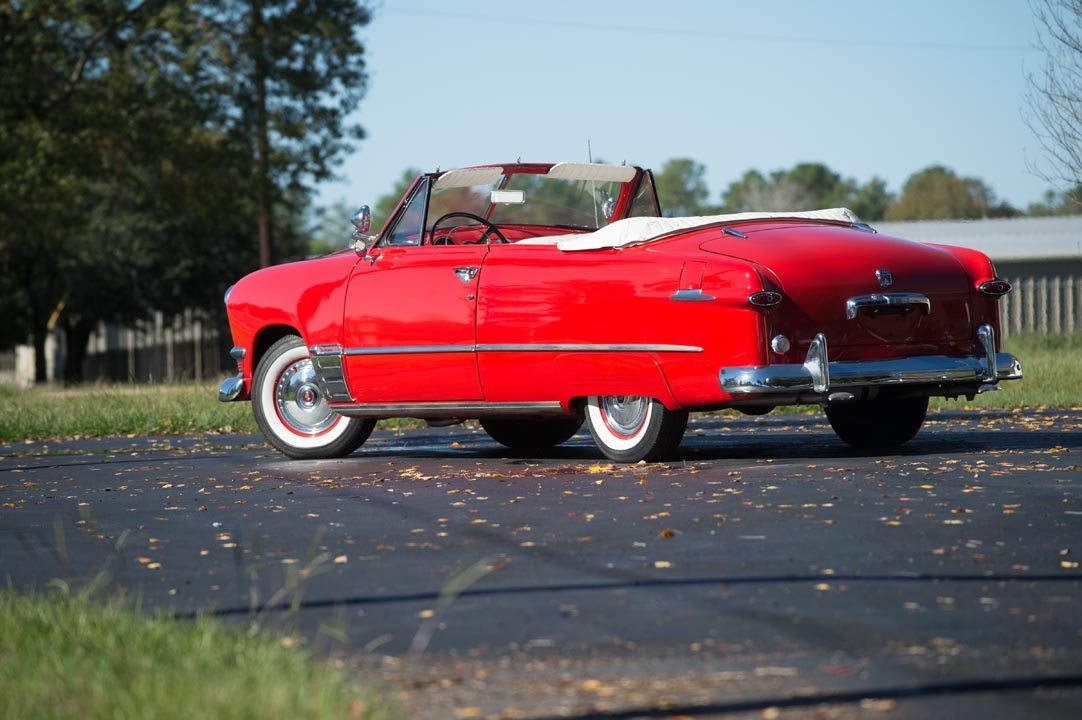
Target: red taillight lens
{"x": 765, "y": 298}
{"x": 995, "y": 288}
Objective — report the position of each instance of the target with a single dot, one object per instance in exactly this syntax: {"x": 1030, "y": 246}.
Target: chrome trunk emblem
{"x": 885, "y": 278}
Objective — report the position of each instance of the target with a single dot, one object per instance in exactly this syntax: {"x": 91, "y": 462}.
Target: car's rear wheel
{"x": 630, "y": 428}
{"x": 291, "y": 411}
{"x": 531, "y": 433}
{"x": 878, "y": 423}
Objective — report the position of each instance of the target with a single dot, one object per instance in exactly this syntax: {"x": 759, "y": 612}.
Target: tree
{"x": 291, "y": 71}
{"x": 937, "y": 193}
{"x": 386, "y": 203}
{"x": 135, "y": 159}
{"x": 806, "y": 186}
{"x": 1058, "y": 203}
{"x": 681, "y": 188}
{"x": 1054, "y": 101}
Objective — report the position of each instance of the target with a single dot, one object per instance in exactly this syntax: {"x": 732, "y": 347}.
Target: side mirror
{"x": 361, "y": 220}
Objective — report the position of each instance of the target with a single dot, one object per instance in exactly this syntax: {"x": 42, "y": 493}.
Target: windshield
{"x": 579, "y": 204}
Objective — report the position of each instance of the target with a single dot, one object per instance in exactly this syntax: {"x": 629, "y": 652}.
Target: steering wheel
{"x": 490, "y": 229}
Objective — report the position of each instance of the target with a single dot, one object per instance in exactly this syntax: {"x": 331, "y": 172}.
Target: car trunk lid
{"x": 820, "y": 268}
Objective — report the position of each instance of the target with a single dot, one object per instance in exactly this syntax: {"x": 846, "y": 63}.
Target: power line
{"x": 854, "y": 41}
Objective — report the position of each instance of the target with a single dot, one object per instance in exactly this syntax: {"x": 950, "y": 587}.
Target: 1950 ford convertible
{"x": 533, "y": 296}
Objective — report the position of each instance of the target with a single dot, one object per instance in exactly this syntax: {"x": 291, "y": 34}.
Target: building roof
{"x": 1026, "y": 238}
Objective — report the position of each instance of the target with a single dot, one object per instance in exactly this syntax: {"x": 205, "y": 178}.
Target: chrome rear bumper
{"x": 820, "y": 377}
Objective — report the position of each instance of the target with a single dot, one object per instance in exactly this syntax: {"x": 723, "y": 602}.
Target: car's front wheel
{"x": 878, "y": 423}
{"x": 525, "y": 434}
{"x": 291, "y": 411}
{"x": 630, "y": 428}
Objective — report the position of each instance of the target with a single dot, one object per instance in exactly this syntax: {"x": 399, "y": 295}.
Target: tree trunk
{"x": 77, "y": 335}
{"x": 263, "y": 179}
{"x": 40, "y": 333}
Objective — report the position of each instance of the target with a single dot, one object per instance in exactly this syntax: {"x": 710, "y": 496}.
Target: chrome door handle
{"x": 465, "y": 274}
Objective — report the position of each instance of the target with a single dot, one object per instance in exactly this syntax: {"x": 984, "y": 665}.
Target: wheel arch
{"x": 266, "y": 337}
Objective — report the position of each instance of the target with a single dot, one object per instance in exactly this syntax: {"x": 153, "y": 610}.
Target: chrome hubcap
{"x": 300, "y": 403}
{"x": 624, "y": 414}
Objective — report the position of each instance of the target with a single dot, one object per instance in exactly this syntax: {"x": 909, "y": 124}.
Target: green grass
{"x": 69, "y": 657}
{"x": 1052, "y": 367}
{"x": 1052, "y": 375}
{"x": 99, "y": 410}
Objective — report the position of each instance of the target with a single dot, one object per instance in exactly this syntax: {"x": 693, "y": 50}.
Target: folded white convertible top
{"x": 633, "y": 231}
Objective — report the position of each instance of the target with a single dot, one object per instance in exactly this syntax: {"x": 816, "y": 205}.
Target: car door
{"x": 409, "y": 318}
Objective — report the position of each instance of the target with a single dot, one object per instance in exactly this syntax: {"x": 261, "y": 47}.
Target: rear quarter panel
{"x": 538, "y": 295}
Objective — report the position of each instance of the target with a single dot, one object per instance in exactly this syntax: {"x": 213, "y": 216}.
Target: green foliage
{"x": 385, "y": 204}
{"x": 937, "y": 193}
{"x": 1058, "y": 203}
{"x": 681, "y": 188}
{"x": 129, "y": 138}
{"x": 68, "y": 657}
{"x": 806, "y": 186}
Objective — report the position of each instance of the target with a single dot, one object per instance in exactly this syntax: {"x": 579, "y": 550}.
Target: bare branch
{"x": 1054, "y": 102}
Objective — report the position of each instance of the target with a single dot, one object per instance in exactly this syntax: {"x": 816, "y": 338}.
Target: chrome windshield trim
{"x": 449, "y": 409}
{"x": 588, "y": 347}
{"x": 410, "y": 349}
{"x": 855, "y": 304}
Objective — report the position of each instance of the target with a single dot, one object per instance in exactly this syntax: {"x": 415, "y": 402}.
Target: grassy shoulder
{"x": 1052, "y": 367}
{"x": 67, "y": 657}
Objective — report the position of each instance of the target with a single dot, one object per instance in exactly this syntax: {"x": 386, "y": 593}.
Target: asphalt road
{"x": 768, "y": 571}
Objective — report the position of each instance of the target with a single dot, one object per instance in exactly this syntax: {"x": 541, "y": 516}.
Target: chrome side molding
{"x": 449, "y": 409}
{"x": 855, "y": 304}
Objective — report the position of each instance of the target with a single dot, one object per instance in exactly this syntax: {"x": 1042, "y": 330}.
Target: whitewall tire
{"x": 291, "y": 411}
{"x": 630, "y": 428}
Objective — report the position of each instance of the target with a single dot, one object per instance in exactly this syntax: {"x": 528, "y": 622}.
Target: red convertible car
{"x": 534, "y": 296}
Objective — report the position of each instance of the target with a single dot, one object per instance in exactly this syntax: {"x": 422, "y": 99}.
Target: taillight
{"x": 765, "y": 298}
{"x": 995, "y": 288}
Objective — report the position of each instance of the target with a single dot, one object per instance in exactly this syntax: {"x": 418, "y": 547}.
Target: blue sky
{"x": 878, "y": 87}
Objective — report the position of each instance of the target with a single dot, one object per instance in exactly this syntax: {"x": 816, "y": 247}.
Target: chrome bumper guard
{"x": 819, "y": 376}
{"x": 231, "y": 388}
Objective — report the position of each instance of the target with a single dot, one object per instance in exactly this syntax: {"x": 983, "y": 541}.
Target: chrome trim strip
{"x": 237, "y": 353}
{"x": 329, "y": 349}
{"x": 690, "y": 296}
{"x": 231, "y": 388}
{"x": 735, "y": 233}
{"x": 588, "y": 347}
{"x": 858, "y": 302}
{"x": 448, "y": 409}
{"x": 919, "y": 370}
{"x": 410, "y": 349}
{"x": 521, "y": 347}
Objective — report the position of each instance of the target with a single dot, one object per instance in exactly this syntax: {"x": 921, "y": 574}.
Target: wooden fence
{"x": 1042, "y": 306}
{"x": 189, "y": 346}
